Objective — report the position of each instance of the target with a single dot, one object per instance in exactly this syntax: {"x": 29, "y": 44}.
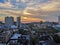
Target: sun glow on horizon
{"x": 30, "y": 19}
{"x": 25, "y": 18}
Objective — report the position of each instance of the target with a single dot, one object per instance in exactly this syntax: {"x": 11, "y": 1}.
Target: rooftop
{"x": 15, "y": 36}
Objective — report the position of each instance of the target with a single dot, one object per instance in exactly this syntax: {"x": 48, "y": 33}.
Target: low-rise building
{"x": 5, "y": 36}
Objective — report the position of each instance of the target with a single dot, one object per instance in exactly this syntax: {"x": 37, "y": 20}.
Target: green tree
{"x": 56, "y": 38}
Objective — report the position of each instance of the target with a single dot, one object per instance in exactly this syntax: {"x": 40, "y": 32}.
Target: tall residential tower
{"x": 18, "y": 22}
{"x": 9, "y": 21}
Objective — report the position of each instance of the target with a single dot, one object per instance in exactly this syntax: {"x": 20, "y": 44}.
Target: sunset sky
{"x": 30, "y": 10}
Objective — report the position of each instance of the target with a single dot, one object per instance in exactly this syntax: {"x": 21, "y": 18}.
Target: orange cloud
{"x": 29, "y": 19}
{"x": 1, "y": 18}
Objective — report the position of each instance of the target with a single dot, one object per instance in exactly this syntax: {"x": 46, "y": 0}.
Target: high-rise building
{"x": 59, "y": 19}
{"x": 18, "y": 22}
{"x": 9, "y": 21}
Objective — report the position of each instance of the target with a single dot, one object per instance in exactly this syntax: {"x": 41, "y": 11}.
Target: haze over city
{"x": 29, "y": 22}
{"x": 30, "y": 10}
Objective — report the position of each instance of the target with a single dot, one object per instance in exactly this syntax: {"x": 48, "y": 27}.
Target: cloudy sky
{"x": 30, "y": 10}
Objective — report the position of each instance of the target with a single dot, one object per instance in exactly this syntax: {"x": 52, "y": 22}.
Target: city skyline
{"x": 30, "y": 10}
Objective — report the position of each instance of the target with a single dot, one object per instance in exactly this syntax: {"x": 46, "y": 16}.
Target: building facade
{"x": 9, "y": 21}
{"x": 59, "y": 19}
{"x": 18, "y": 22}
{"x": 5, "y": 36}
